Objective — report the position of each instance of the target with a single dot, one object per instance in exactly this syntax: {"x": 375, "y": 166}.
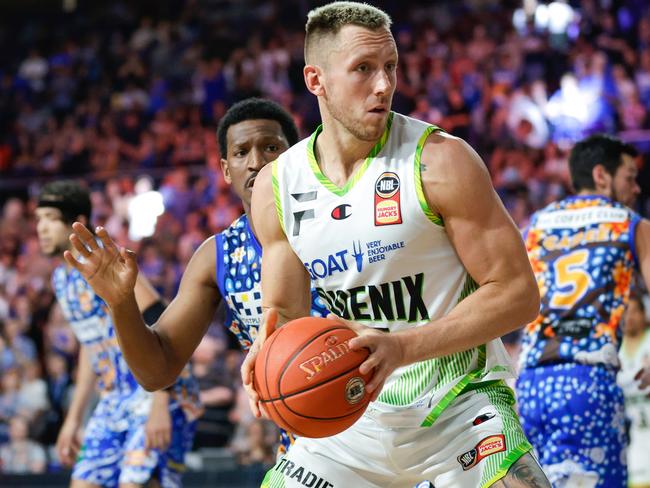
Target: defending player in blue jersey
{"x": 583, "y": 250}
{"x": 133, "y": 438}
{"x": 226, "y": 266}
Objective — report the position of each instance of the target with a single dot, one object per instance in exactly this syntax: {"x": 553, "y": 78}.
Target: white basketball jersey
{"x": 378, "y": 255}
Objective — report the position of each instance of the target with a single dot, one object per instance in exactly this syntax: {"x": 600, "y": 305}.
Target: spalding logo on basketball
{"x": 308, "y": 378}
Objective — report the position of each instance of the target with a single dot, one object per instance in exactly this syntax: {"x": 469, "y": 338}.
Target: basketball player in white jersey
{"x": 634, "y": 356}
{"x": 400, "y": 231}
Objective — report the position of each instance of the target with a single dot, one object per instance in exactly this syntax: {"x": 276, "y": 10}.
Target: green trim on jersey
{"x": 459, "y": 387}
{"x": 276, "y": 193}
{"x": 469, "y": 287}
{"x": 325, "y": 181}
{"x": 433, "y": 217}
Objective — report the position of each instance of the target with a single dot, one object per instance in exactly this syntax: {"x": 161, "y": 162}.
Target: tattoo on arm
{"x": 525, "y": 473}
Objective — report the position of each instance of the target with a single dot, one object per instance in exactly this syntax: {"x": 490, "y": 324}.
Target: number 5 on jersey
{"x": 571, "y": 281}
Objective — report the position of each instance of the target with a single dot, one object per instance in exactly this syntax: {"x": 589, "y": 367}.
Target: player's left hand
{"x": 248, "y": 366}
{"x": 643, "y": 376}
{"x": 158, "y": 429}
{"x": 386, "y": 353}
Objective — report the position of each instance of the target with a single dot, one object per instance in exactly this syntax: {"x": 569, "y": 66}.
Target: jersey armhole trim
{"x": 432, "y": 216}
{"x": 635, "y": 221}
{"x": 276, "y": 194}
{"x": 220, "y": 268}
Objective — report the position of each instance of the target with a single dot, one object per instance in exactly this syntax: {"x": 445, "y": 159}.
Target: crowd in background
{"x": 116, "y": 92}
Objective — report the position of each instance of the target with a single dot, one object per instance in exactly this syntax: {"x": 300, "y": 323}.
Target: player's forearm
{"x": 150, "y": 361}
{"x": 84, "y": 386}
{"x": 491, "y": 311}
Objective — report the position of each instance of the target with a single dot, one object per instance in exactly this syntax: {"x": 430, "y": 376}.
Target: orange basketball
{"x": 308, "y": 378}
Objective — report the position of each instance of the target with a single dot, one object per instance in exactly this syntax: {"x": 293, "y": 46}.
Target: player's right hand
{"x": 110, "y": 271}
{"x": 643, "y": 377}
{"x": 248, "y": 366}
{"x": 68, "y": 443}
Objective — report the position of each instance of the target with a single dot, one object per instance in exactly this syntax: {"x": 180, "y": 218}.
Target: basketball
{"x": 308, "y": 378}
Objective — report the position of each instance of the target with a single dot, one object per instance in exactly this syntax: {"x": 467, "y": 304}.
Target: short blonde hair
{"x": 329, "y": 19}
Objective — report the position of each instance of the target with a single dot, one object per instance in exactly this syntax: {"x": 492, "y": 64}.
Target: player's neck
{"x": 594, "y": 193}
{"x": 339, "y": 153}
{"x": 247, "y": 212}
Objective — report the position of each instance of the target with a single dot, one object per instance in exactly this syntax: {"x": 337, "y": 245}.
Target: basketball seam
{"x": 362, "y": 406}
{"x": 282, "y": 397}
{"x": 295, "y": 354}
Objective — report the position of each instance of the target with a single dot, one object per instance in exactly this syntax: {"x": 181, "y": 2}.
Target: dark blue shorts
{"x": 574, "y": 416}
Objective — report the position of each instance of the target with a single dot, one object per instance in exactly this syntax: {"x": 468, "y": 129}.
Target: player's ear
{"x": 226, "y": 170}
{"x": 601, "y": 177}
{"x": 313, "y": 79}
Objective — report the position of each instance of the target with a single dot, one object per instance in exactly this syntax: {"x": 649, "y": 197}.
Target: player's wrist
{"x": 122, "y": 302}
{"x": 404, "y": 348}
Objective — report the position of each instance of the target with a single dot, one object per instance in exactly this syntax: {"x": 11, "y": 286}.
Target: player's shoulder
{"x": 236, "y": 227}
{"x": 58, "y": 274}
{"x": 446, "y": 148}
{"x": 451, "y": 164}
{"x": 203, "y": 261}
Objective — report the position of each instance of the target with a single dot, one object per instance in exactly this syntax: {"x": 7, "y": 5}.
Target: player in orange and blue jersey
{"x": 584, "y": 250}
{"x": 133, "y": 437}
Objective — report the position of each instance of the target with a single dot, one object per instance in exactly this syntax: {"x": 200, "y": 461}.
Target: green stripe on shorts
{"x": 273, "y": 479}
{"x": 497, "y": 465}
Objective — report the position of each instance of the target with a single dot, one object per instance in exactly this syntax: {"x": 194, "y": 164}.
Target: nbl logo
{"x": 387, "y": 185}
{"x": 355, "y": 390}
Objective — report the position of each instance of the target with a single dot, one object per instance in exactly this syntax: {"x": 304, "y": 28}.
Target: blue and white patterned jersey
{"x": 92, "y": 324}
{"x": 583, "y": 255}
{"x": 239, "y": 268}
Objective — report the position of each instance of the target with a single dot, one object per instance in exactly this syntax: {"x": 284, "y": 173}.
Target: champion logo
{"x": 483, "y": 418}
{"x": 342, "y": 212}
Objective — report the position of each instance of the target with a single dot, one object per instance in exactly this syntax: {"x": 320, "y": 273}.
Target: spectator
{"x": 21, "y": 455}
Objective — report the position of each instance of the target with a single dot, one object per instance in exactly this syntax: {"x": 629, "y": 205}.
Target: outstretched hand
{"x": 386, "y": 353}
{"x": 248, "y": 366}
{"x": 110, "y": 271}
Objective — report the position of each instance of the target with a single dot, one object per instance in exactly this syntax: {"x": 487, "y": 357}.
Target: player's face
{"x": 252, "y": 144}
{"x": 52, "y": 231}
{"x": 624, "y": 187}
{"x": 634, "y": 318}
{"x": 359, "y": 79}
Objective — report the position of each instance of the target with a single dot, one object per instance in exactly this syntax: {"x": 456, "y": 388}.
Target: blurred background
{"x": 126, "y": 95}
